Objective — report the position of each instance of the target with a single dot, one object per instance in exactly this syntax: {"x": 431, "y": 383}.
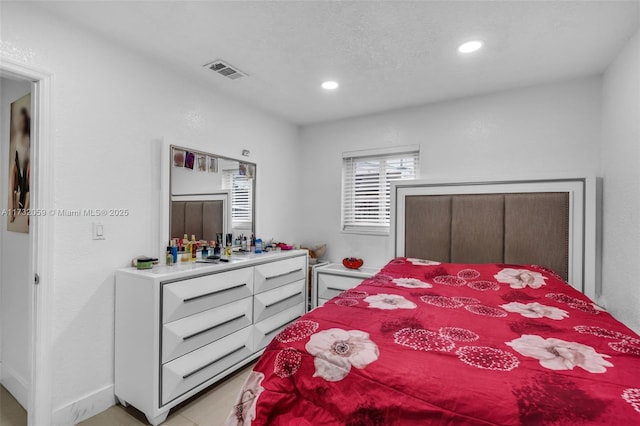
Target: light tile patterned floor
{"x": 11, "y": 412}
{"x": 209, "y": 408}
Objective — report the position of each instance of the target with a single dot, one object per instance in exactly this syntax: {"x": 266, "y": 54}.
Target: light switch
{"x": 98, "y": 231}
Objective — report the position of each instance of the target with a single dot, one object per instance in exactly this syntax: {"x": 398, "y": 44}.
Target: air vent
{"x": 225, "y": 69}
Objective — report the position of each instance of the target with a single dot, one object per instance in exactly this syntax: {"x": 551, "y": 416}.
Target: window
{"x": 366, "y": 186}
{"x": 241, "y": 199}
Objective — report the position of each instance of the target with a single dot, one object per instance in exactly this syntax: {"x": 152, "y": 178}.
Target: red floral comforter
{"x": 427, "y": 343}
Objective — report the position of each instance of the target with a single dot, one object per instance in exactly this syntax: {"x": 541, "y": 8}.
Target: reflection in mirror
{"x": 203, "y": 216}
{"x": 210, "y": 195}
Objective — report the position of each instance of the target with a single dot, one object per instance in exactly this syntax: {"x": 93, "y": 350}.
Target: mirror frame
{"x": 165, "y": 196}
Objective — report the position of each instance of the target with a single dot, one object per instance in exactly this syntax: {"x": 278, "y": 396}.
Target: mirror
{"x": 210, "y": 195}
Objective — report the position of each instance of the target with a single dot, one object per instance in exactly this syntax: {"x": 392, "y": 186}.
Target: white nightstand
{"x": 332, "y": 279}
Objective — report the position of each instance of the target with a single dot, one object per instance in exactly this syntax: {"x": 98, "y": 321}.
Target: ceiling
{"x": 385, "y": 54}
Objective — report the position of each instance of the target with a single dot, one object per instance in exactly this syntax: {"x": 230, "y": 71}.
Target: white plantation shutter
{"x": 366, "y": 187}
{"x": 241, "y": 198}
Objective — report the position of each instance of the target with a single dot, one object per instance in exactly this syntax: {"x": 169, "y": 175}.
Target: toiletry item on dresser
{"x": 228, "y": 251}
{"x": 169, "y": 256}
{"x": 174, "y": 252}
{"x": 216, "y": 249}
{"x": 205, "y": 251}
{"x": 258, "y": 245}
{"x": 186, "y": 249}
{"x": 244, "y": 244}
{"x": 193, "y": 248}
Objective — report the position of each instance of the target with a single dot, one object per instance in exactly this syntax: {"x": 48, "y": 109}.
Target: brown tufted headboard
{"x": 548, "y": 222}
{"x": 200, "y": 218}
{"x": 490, "y": 228}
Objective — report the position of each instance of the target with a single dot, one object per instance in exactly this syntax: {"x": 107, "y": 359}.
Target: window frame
{"x": 379, "y": 155}
{"x": 230, "y": 179}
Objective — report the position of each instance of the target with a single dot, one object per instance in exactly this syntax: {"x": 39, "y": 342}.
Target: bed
{"x": 435, "y": 339}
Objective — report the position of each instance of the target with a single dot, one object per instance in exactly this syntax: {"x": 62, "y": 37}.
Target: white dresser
{"x": 332, "y": 279}
{"x": 181, "y": 328}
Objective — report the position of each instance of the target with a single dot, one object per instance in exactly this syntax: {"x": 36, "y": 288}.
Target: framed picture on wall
{"x": 19, "y": 165}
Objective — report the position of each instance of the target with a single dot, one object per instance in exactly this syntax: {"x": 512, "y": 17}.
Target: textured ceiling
{"x": 386, "y": 54}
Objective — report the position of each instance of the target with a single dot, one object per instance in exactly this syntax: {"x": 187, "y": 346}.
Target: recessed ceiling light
{"x": 470, "y": 46}
{"x": 330, "y": 85}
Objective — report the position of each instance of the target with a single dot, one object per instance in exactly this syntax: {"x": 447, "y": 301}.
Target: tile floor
{"x": 209, "y": 408}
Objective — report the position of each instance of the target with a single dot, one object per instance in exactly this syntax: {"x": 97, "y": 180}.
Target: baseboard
{"x": 85, "y": 407}
{"x": 15, "y": 384}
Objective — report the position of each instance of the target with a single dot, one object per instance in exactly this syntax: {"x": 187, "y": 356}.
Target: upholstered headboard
{"x": 204, "y": 219}
{"x": 490, "y": 228}
{"x": 202, "y": 215}
{"x": 550, "y": 223}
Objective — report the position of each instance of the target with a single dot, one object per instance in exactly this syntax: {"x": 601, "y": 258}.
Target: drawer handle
{"x": 209, "y": 364}
{"x": 335, "y": 289}
{"x": 273, "y": 277}
{"x": 191, "y": 299}
{"x": 283, "y": 300}
{"x": 197, "y": 333}
{"x": 280, "y": 326}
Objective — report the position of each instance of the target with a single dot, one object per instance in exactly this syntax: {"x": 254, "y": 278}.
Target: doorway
{"x": 25, "y": 285}
{"x": 15, "y": 292}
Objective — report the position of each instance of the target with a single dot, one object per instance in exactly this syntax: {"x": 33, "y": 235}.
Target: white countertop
{"x": 188, "y": 268}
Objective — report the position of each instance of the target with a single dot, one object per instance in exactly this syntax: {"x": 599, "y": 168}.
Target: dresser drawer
{"x": 185, "y": 373}
{"x": 277, "y": 300}
{"x": 265, "y": 331}
{"x": 275, "y": 274}
{"x": 194, "y": 331}
{"x": 329, "y": 285}
{"x": 188, "y": 297}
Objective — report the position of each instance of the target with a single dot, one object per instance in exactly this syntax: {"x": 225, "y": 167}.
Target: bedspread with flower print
{"x": 429, "y": 343}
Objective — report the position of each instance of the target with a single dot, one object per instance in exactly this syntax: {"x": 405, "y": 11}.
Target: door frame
{"x": 40, "y": 236}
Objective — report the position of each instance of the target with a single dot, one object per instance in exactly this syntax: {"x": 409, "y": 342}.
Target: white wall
{"x": 540, "y": 130}
{"x": 111, "y": 107}
{"x": 15, "y": 329}
{"x": 621, "y": 178}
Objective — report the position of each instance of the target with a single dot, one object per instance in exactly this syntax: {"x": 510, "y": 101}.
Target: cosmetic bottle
{"x": 258, "y": 245}
{"x": 194, "y": 248}
{"x": 216, "y": 249}
{"x": 244, "y": 244}
{"x": 169, "y": 256}
{"x": 205, "y": 251}
{"x": 174, "y": 252}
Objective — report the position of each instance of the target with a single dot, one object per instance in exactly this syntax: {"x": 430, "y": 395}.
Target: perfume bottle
{"x": 169, "y": 256}
{"x": 194, "y": 248}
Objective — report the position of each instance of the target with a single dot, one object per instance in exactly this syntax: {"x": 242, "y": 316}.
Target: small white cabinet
{"x": 182, "y": 328}
{"x": 331, "y": 280}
